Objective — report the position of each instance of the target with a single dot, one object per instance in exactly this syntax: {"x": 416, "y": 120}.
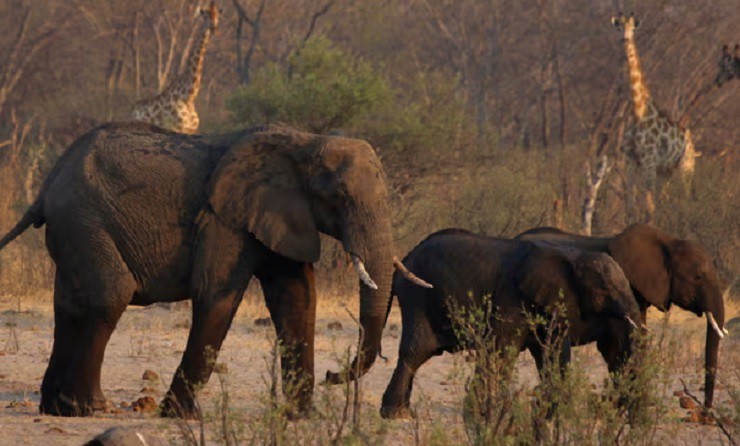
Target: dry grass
{"x": 154, "y": 338}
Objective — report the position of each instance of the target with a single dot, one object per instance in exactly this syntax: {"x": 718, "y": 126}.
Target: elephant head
{"x": 665, "y": 270}
{"x": 592, "y": 284}
{"x": 285, "y": 187}
{"x": 603, "y": 288}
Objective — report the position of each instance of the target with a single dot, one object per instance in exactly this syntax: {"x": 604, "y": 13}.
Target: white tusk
{"x": 362, "y": 272}
{"x": 631, "y": 322}
{"x": 413, "y": 278}
{"x": 141, "y": 437}
{"x": 725, "y": 330}
{"x": 714, "y": 325}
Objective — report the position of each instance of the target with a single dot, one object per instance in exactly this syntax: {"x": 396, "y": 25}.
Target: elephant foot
{"x": 100, "y": 403}
{"x": 397, "y": 413}
{"x": 294, "y": 414}
{"x": 63, "y": 406}
{"x": 335, "y": 378}
{"x": 172, "y": 407}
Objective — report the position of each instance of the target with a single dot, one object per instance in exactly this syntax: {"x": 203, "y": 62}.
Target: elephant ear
{"x": 640, "y": 252}
{"x": 256, "y": 188}
{"x": 543, "y": 276}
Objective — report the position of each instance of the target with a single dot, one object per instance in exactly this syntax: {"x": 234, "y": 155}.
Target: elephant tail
{"x": 33, "y": 216}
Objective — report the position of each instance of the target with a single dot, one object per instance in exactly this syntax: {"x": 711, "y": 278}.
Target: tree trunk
{"x": 593, "y": 183}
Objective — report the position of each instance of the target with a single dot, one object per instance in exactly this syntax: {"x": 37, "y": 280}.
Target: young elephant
{"x": 518, "y": 276}
{"x": 663, "y": 270}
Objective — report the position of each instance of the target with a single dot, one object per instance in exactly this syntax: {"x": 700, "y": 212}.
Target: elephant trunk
{"x": 623, "y": 306}
{"x": 369, "y": 241}
{"x": 715, "y": 329}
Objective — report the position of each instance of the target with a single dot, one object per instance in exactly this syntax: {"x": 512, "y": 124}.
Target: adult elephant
{"x": 464, "y": 267}
{"x": 662, "y": 270}
{"x": 135, "y": 215}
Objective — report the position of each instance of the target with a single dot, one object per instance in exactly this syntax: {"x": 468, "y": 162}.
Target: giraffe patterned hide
{"x": 174, "y": 107}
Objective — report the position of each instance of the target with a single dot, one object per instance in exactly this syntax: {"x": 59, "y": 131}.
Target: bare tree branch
{"x": 321, "y": 12}
{"x": 244, "y": 62}
{"x": 22, "y": 53}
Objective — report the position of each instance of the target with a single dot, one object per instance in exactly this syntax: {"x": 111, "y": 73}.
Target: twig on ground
{"x": 709, "y": 411}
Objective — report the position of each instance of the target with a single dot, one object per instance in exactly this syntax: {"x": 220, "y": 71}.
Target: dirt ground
{"x": 154, "y": 338}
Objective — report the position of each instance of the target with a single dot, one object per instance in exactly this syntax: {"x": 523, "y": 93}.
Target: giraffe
{"x": 729, "y": 65}
{"x": 654, "y": 145}
{"x": 174, "y": 107}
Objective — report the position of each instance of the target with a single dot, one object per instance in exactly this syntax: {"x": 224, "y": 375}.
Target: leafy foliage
{"x": 321, "y": 88}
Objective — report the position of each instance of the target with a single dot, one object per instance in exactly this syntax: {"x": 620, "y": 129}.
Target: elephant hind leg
{"x": 72, "y": 385}
{"x": 61, "y": 351}
{"x": 89, "y": 297}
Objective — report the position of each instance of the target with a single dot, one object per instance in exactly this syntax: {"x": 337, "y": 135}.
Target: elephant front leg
{"x": 618, "y": 348}
{"x": 418, "y": 344}
{"x": 551, "y": 360}
{"x": 290, "y": 295}
{"x": 207, "y": 333}
{"x": 221, "y": 274}
{"x": 397, "y": 397}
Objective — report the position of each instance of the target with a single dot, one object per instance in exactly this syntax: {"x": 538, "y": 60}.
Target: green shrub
{"x": 321, "y": 88}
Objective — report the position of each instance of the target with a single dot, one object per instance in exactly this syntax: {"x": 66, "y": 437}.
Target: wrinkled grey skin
{"x": 136, "y": 215}
{"x": 518, "y": 276}
{"x": 662, "y": 270}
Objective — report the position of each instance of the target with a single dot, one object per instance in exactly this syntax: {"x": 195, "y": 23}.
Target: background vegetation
{"x": 486, "y": 114}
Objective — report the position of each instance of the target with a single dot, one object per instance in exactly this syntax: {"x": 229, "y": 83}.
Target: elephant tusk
{"x": 714, "y": 325}
{"x": 141, "y": 437}
{"x": 409, "y": 275}
{"x": 725, "y": 330}
{"x": 362, "y": 272}
{"x": 631, "y": 322}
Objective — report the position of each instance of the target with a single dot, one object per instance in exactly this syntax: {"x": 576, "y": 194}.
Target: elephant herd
{"x": 135, "y": 214}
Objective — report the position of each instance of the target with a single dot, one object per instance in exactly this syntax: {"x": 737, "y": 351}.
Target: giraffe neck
{"x": 642, "y": 102}
{"x": 188, "y": 84}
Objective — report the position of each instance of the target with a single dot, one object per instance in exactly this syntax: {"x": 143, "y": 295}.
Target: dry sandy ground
{"x": 154, "y": 338}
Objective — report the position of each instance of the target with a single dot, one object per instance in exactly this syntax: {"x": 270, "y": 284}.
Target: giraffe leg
{"x": 650, "y": 189}
{"x": 629, "y": 193}
{"x": 649, "y": 207}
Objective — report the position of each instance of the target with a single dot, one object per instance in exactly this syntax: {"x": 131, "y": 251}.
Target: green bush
{"x": 321, "y": 88}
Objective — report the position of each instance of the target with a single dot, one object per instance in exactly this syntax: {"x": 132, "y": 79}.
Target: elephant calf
{"x": 518, "y": 275}
{"x": 663, "y": 270}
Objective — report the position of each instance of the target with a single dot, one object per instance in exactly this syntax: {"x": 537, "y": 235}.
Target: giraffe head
{"x": 626, "y": 25}
{"x": 211, "y": 16}
{"x": 729, "y": 65}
